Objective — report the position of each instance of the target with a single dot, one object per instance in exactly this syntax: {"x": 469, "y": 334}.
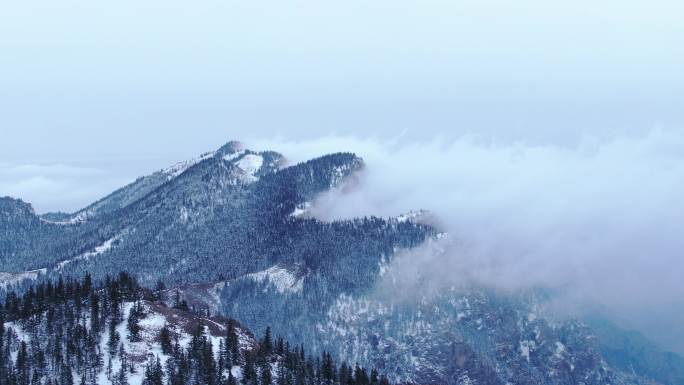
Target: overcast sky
{"x": 169, "y": 78}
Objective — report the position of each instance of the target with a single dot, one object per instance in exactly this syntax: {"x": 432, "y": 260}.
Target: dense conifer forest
{"x": 69, "y": 332}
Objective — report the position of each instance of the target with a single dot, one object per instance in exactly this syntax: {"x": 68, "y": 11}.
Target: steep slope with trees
{"x": 76, "y": 332}
{"x": 225, "y": 232}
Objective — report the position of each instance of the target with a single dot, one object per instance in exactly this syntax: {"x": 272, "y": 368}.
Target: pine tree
{"x": 87, "y": 284}
{"x": 360, "y": 376}
{"x": 114, "y": 337}
{"x": 133, "y": 323}
{"x": 154, "y": 374}
{"x": 233, "y": 343}
{"x": 35, "y": 378}
{"x": 265, "y": 374}
{"x": 165, "y": 340}
{"x": 374, "y": 380}
{"x": 179, "y": 303}
{"x": 121, "y": 376}
{"x": 207, "y": 364}
{"x": 158, "y": 372}
{"x": 249, "y": 375}
{"x": 176, "y": 300}
{"x": 66, "y": 377}
{"x": 267, "y": 343}
{"x": 344, "y": 375}
{"x": 222, "y": 355}
{"x": 231, "y": 378}
{"x": 67, "y": 345}
{"x": 147, "y": 376}
{"x": 95, "y": 313}
{"x": 123, "y": 358}
{"x": 22, "y": 365}
{"x": 327, "y": 369}
{"x": 280, "y": 347}
{"x": 159, "y": 286}
{"x": 109, "y": 368}
{"x": 197, "y": 341}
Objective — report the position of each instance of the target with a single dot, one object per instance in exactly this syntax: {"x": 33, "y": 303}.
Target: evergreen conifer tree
{"x": 165, "y": 340}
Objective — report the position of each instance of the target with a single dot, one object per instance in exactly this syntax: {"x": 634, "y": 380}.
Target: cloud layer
{"x": 69, "y": 185}
{"x": 600, "y": 220}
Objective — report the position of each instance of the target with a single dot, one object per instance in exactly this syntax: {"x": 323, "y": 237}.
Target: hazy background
{"x": 599, "y": 222}
{"x": 548, "y": 135}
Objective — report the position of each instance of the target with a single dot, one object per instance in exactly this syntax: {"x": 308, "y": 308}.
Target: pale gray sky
{"x": 83, "y": 78}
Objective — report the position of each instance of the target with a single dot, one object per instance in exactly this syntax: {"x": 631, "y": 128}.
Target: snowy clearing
{"x": 282, "y": 279}
{"x": 9, "y": 279}
{"x": 98, "y": 250}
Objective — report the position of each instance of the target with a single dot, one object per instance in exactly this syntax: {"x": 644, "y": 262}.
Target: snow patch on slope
{"x": 180, "y": 167}
{"x": 76, "y": 219}
{"x": 170, "y": 173}
{"x": 184, "y": 215}
{"x": 98, "y": 250}
{"x": 338, "y": 173}
{"x": 214, "y": 299}
{"x": 151, "y": 324}
{"x": 233, "y": 156}
{"x": 9, "y": 279}
{"x": 527, "y": 346}
{"x": 282, "y": 279}
{"x": 301, "y": 210}
{"x": 250, "y": 164}
{"x": 411, "y": 216}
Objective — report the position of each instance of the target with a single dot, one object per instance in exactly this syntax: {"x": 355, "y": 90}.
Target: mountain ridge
{"x": 226, "y": 231}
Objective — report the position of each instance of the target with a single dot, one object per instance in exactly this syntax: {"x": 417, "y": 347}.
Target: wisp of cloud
{"x": 600, "y": 220}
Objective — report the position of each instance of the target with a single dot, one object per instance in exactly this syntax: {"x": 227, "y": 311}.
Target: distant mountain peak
{"x": 14, "y": 206}
{"x": 231, "y": 147}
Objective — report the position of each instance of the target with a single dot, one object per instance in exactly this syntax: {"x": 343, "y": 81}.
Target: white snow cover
{"x": 184, "y": 214}
{"x": 526, "y": 346}
{"x": 78, "y": 218}
{"x": 411, "y": 215}
{"x": 101, "y": 249}
{"x": 338, "y": 173}
{"x": 180, "y": 167}
{"x": 250, "y": 165}
{"x": 9, "y": 279}
{"x": 560, "y": 349}
{"x": 150, "y": 326}
{"x": 301, "y": 210}
{"x": 235, "y": 155}
{"x": 282, "y": 279}
{"x": 214, "y": 299}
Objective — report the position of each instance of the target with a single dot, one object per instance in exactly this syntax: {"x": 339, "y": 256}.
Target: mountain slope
{"x": 142, "y": 186}
{"x": 232, "y": 205}
{"x": 632, "y": 352}
{"x": 118, "y": 333}
{"x": 225, "y": 232}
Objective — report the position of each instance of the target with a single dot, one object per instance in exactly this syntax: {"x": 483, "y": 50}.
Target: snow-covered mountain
{"x": 120, "y": 334}
{"x": 183, "y": 223}
{"x": 229, "y": 233}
